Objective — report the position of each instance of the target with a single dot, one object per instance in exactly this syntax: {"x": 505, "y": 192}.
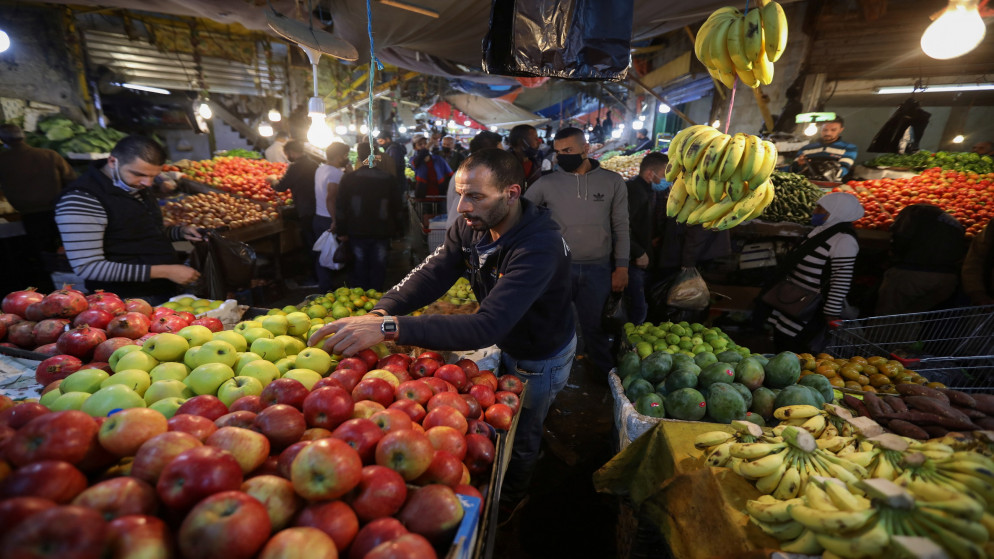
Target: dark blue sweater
{"x": 522, "y": 282}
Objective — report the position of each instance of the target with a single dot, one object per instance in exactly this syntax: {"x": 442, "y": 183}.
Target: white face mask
{"x": 115, "y": 177}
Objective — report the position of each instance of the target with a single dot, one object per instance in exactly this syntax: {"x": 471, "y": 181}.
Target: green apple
{"x": 260, "y": 369}
{"x": 246, "y": 324}
{"x": 313, "y": 330}
{"x": 135, "y": 379}
{"x": 315, "y": 359}
{"x": 233, "y": 338}
{"x": 169, "y": 371}
{"x": 235, "y": 388}
{"x": 119, "y": 353}
{"x": 69, "y": 401}
{"x": 112, "y": 397}
{"x": 292, "y": 345}
{"x": 195, "y": 334}
{"x": 167, "y": 406}
{"x": 253, "y": 334}
{"x": 317, "y": 322}
{"x": 166, "y": 346}
{"x": 277, "y": 324}
{"x": 136, "y": 360}
{"x": 274, "y": 312}
{"x": 306, "y": 377}
{"x": 83, "y": 380}
{"x": 269, "y": 349}
{"x": 207, "y": 378}
{"x": 48, "y": 398}
{"x": 170, "y": 388}
{"x": 214, "y": 351}
{"x": 286, "y": 364}
{"x": 244, "y": 358}
{"x": 290, "y": 309}
{"x": 299, "y": 323}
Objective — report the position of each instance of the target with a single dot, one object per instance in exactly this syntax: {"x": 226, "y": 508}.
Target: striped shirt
{"x": 843, "y": 152}
{"x": 82, "y": 221}
{"x": 834, "y": 258}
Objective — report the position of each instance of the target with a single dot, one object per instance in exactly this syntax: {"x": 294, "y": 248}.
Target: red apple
{"x": 315, "y": 433}
{"x": 401, "y": 359}
{"x": 197, "y": 473}
{"x": 67, "y": 531}
{"x": 510, "y": 399}
{"x": 452, "y": 399}
{"x": 49, "y": 479}
{"x": 287, "y": 391}
{"x": 281, "y": 424}
{"x": 375, "y": 389}
{"x": 448, "y": 439}
{"x": 500, "y": 416}
{"x": 269, "y": 467}
{"x": 391, "y": 420}
{"x": 251, "y": 403}
{"x": 326, "y": 469}
{"x": 424, "y": 367}
{"x": 370, "y": 357}
{"x": 398, "y": 371}
{"x": 139, "y": 536}
{"x": 365, "y": 409}
{"x": 196, "y": 425}
{"x": 249, "y": 448}
{"x": 17, "y": 416}
{"x": 448, "y": 416}
{"x": 243, "y": 419}
{"x": 348, "y": 377}
{"x": 475, "y": 409}
{"x": 433, "y": 355}
{"x": 408, "y": 546}
{"x": 413, "y": 409}
{"x": 469, "y": 367}
{"x": 16, "y": 510}
{"x": 381, "y": 493}
{"x": 480, "y": 427}
{"x": 437, "y": 385}
{"x": 328, "y": 407}
{"x": 510, "y": 383}
{"x": 408, "y": 452}
{"x": 486, "y": 378}
{"x": 204, "y": 405}
{"x": 229, "y": 524}
{"x": 362, "y": 435}
{"x": 452, "y": 374}
{"x": 158, "y": 451}
{"x": 211, "y": 323}
{"x": 119, "y": 496}
{"x": 417, "y": 391}
{"x": 277, "y": 495}
{"x": 484, "y": 395}
{"x": 301, "y": 542}
{"x": 434, "y": 511}
{"x": 373, "y": 534}
{"x": 125, "y": 431}
{"x": 63, "y": 435}
{"x": 445, "y": 468}
{"x": 480, "y": 454}
{"x": 287, "y": 457}
{"x": 334, "y": 518}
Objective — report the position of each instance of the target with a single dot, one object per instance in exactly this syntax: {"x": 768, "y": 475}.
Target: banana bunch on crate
{"x": 731, "y": 44}
{"x": 719, "y": 181}
{"x": 715, "y": 445}
{"x": 875, "y": 518}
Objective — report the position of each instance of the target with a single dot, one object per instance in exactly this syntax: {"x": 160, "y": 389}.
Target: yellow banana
{"x": 752, "y": 451}
{"x": 960, "y": 506}
{"x": 719, "y": 456}
{"x": 862, "y": 458}
{"x": 753, "y": 42}
{"x": 956, "y": 546}
{"x": 970, "y": 456}
{"x": 716, "y": 189}
{"x": 762, "y": 68}
{"x": 815, "y": 425}
{"x": 716, "y": 47}
{"x": 797, "y": 411}
{"x": 768, "y": 484}
{"x": 676, "y": 144}
{"x": 843, "y": 499}
{"x": 975, "y": 469}
{"x": 884, "y": 468}
{"x": 972, "y": 530}
{"x": 713, "y": 155}
{"x": 762, "y": 467}
{"x": 771, "y": 510}
{"x": 711, "y": 438}
{"x": 694, "y": 147}
{"x": 752, "y": 155}
{"x": 696, "y": 216}
{"x": 717, "y": 211}
{"x": 987, "y": 520}
{"x": 781, "y": 531}
{"x": 768, "y": 193}
{"x": 727, "y": 78}
{"x": 716, "y": 17}
{"x": 735, "y": 44}
{"x": 805, "y": 544}
{"x": 980, "y": 487}
{"x": 774, "y": 30}
{"x": 676, "y": 199}
{"x": 700, "y": 185}
{"x": 829, "y": 521}
{"x": 689, "y": 206}
{"x": 769, "y": 163}
{"x": 733, "y": 152}
{"x": 789, "y": 484}
{"x": 869, "y": 543}
{"x": 747, "y": 77}
{"x": 745, "y": 207}
{"x": 818, "y": 499}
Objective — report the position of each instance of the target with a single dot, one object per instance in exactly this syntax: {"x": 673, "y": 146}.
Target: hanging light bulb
{"x": 467, "y": 122}
{"x": 958, "y": 139}
{"x": 319, "y": 134}
{"x": 716, "y": 123}
{"x": 616, "y": 133}
{"x": 438, "y": 123}
{"x": 811, "y": 129}
{"x": 641, "y": 118}
{"x": 452, "y": 124}
{"x": 265, "y": 129}
{"x": 204, "y": 110}
{"x": 274, "y": 115}
{"x": 341, "y": 129}
{"x": 664, "y": 108}
{"x": 466, "y": 130}
{"x": 4, "y": 41}
{"x": 363, "y": 129}
{"x": 493, "y": 128}
{"x": 637, "y": 125}
{"x": 621, "y": 126}
{"x": 956, "y": 32}
{"x": 352, "y": 127}
{"x": 402, "y": 129}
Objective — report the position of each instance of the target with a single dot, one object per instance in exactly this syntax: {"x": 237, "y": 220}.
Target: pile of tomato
{"x": 241, "y": 176}
{"x": 967, "y": 196}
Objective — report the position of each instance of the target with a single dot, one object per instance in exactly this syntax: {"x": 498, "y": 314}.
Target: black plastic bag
{"x": 224, "y": 265}
{"x": 615, "y": 313}
{"x": 343, "y": 254}
{"x": 661, "y": 311}
{"x": 568, "y": 39}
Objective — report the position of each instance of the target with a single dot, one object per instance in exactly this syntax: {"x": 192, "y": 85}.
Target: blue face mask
{"x": 819, "y": 219}
{"x": 662, "y": 185}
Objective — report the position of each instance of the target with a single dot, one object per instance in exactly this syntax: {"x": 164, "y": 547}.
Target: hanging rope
{"x": 731, "y": 100}
{"x": 374, "y": 64}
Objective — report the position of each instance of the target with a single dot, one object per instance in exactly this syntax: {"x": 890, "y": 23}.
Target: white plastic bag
{"x": 327, "y": 244}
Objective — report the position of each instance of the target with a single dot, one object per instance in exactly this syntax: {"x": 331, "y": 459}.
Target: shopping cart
{"x": 421, "y": 210}
{"x": 953, "y": 346}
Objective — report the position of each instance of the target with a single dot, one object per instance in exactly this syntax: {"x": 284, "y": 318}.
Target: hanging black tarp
{"x": 569, "y": 39}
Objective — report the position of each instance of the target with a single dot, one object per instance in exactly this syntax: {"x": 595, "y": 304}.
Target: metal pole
{"x": 661, "y": 99}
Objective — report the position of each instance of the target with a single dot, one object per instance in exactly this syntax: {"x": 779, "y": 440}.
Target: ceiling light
{"x": 956, "y": 32}
{"x": 466, "y": 130}
{"x": 466, "y": 122}
{"x": 341, "y": 129}
{"x": 664, "y": 108}
{"x": 616, "y": 133}
{"x": 319, "y": 134}
{"x": 452, "y": 124}
{"x": 265, "y": 129}
{"x": 274, "y": 115}
{"x": 402, "y": 130}
{"x": 642, "y": 118}
{"x": 811, "y": 129}
{"x": 352, "y": 128}
{"x": 716, "y": 123}
{"x": 4, "y": 41}
{"x": 637, "y": 125}
{"x": 204, "y": 110}
{"x": 136, "y": 87}
{"x": 941, "y": 88}
{"x": 621, "y": 126}
{"x": 493, "y": 128}
{"x": 363, "y": 129}
{"x": 958, "y": 139}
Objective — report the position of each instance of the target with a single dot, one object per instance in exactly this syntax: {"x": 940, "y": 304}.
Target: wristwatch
{"x": 389, "y": 328}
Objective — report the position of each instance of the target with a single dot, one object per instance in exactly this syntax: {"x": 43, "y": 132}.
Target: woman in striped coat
{"x": 824, "y": 262}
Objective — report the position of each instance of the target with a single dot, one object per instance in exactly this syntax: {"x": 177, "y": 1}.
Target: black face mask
{"x": 569, "y": 162}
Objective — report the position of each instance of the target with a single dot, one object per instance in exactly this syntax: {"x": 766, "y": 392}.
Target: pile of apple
{"x": 365, "y": 461}
{"x": 241, "y": 176}
{"x": 217, "y": 209}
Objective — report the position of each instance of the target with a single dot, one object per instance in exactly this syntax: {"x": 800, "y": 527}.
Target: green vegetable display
{"x": 794, "y": 199}
{"x": 246, "y": 153}
{"x": 950, "y": 160}
{"x": 65, "y": 136}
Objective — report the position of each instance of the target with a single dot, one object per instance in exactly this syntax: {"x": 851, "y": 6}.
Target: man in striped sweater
{"x": 830, "y": 158}
{"x": 112, "y": 229}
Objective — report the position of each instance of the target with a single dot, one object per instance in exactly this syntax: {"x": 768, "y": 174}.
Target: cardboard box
{"x": 757, "y": 255}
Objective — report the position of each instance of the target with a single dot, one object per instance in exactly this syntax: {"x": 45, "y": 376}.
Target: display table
{"x": 269, "y": 232}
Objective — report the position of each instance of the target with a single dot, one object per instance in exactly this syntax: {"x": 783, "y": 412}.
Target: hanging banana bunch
{"x": 731, "y": 44}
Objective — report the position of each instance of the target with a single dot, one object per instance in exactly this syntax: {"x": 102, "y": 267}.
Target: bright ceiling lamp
{"x": 941, "y": 88}
{"x": 637, "y": 125}
{"x": 956, "y": 32}
{"x": 4, "y": 41}
{"x": 402, "y": 129}
{"x": 664, "y": 108}
{"x": 145, "y": 88}
{"x": 265, "y": 129}
{"x": 811, "y": 129}
{"x": 274, "y": 115}
{"x": 958, "y": 139}
{"x": 341, "y": 129}
{"x": 319, "y": 134}
{"x": 204, "y": 110}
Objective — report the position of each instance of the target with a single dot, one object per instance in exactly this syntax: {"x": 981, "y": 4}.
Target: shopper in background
{"x": 398, "y": 153}
{"x": 927, "y": 250}
{"x": 31, "y": 179}
{"x": 299, "y": 180}
{"x": 274, "y": 153}
{"x": 112, "y": 228}
{"x": 519, "y": 268}
{"x": 830, "y": 158}
{"x": 642, "y": 142}
{"x": 978, "y": 268}
{"x": 326, "y": 181}
{"x": 524, "y": 143}
{"x": 652, "y": 172}
{"x": 823, "y": 262}
{"x": 449, "y": 153}
{"x": 431, "y": 174}
{"x": 591, "y": 206}
{"x": 367, "y": 212}
{"x": 483, "y": 140}
{"x": 983, "y": 148}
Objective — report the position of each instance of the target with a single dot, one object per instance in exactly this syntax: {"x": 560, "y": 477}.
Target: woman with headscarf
{"x": 823, "y": 262}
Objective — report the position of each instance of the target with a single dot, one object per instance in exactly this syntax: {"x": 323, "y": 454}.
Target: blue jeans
{"x": 591, "y": 287}
{"x": 545, "y": 378}
{"x": 638, "y": 308}
{"x": 369, "y": 269}
{"x": 325, "y": 275}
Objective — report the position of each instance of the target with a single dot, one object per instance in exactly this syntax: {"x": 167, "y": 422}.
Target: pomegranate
{"x": 103, "y": 351}
{"x": 22, "y": 334}
{"x": 7, "y": 344}
{"x": 17, "y": 302}
{"x": 106, "y": 302}
{"x": 9, "y": 319}
{"x": 64, "y": 303}
{"x": 212, "y": 324}
{"x": 171, "y": 323}
{"x": 97, "y": 318}
{"x": 138, "y": 305}
{"x": 3, "y": 330}
{"x": 187, "y": 316}
{"x": 48, "y": 331}
{"x": 141, "y": 340}
{"x": 159, "y": 312}
{"x": 47, "y": 349}
{"x": 35, "y": 312}
{"x": 102, "y": 365}
{"x": 128, "y": 325}
{"x": 81, "y": 341}
{"x": 55, "y": 368}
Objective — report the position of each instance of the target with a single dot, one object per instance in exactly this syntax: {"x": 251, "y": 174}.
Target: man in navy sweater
{"x": 519, "y": 268}
{"x": 814, "y": 160}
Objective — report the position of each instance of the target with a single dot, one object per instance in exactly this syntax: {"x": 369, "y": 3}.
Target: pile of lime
{"x": 192, "y": 305}
{"x": 680, "y": 337}
{"x": 340, "y": 303}
{"x": 460, "y": 293}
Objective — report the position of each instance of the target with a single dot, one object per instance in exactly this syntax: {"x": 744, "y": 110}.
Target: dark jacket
{"x": 31, "y": 178}
{"x": 399, "y": 154}
{"x": 927, "y": 239}
{"x": 299, "y": 180}
{"x": 522, "y": 282}
{"x": 431, "y": 178}
{"x": 683, "y": 245}
{"x": 368, "y": 204}
{"x": 639, "y": 218}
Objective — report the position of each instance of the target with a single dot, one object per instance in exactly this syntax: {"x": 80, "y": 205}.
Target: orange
{"x": 887, "y": 389}
{"x": 888, "y": 369}
{"x": 878, "y": 380}
{"x": 826, "y": 372}
{"x": 808, "y": 364}
{"x": 849, "y": 373}
{"x": 825, "y": 356}
{"x": 837, "y": 382}
{"x": 869, "y": 389}
{"x": 858, "y": 359}
{"x": 935, "y": 385}
{"x": 853, "y": 384}
{"x": 869, "y": 370}
{"x": 876, "y": 360}
{"x": 842, "y": 362}
{"x": 863, "y": 379}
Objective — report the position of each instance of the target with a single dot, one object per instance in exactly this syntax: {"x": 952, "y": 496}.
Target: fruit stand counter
{"x": 268, "y": 232}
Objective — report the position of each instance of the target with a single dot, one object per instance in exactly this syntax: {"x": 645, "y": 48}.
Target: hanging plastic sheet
{"x": 569, "y": 39}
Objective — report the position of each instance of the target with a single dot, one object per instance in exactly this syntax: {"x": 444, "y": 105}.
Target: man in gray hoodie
{"x": 591, "y": 206}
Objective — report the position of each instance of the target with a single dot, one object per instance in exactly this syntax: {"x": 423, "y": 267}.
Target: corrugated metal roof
{"x": 141, "y": 63}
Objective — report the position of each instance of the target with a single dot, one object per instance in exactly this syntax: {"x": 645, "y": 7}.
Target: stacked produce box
{"x": 238, "y": 175}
